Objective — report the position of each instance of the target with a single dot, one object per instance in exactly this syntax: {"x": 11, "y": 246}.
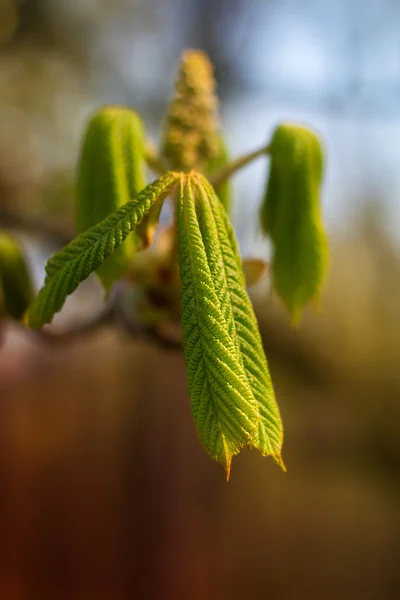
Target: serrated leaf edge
{"x": 72, "y": 265}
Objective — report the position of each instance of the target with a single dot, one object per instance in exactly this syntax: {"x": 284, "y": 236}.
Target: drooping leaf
{"x": 220, "y": 160}
{"x": 228, "y": 268}
{"x": 228, "y": 376}
{"x": 291, "y": 215}
{"x": 66, "y": 269}
{"x": 111, "y": 172}
{"x": 223, "y": 406}
{"x": 16, "y": 290}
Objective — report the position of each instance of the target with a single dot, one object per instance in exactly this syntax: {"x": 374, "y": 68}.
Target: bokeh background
{"x": 105, "y": 492}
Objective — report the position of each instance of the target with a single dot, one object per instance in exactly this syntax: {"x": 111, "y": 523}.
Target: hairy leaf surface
{"x": 227, "y": 268}
{"x": 221, "y": 338}
{"x": 291, "y": 215}
{"x": 66, "y": 269}
{"x": 111, "y": 172}
{"x": 223, "y": 405}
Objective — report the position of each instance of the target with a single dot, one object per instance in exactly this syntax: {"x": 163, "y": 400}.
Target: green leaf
{"x": 111, "y": 172}
{"x": 223, "y": 406}
{"x": 291, "y": 215}
{"x": 228, "y": 268}
{"x": 218, "y": 329}
{"x": 223, "y": 190}
{"x": 66, "y": 269}
{"x": 16, "y": 290}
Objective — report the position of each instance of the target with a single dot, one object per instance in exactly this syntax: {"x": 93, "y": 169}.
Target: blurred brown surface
{"x": 107, "y": 493}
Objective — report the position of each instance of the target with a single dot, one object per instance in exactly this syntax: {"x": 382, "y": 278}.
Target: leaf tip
{"x": 279, "y": 461}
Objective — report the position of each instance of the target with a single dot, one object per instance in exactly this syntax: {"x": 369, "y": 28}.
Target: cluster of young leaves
{"x": 232, "y": 397}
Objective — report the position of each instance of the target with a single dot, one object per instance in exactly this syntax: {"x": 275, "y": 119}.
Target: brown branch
{"x": 54, "y": 337}
{"x": 114, "y": 314}
{"x": 152, "y": 335}
{"x": 62, "y": 235}
{"x": 125, "y": 319}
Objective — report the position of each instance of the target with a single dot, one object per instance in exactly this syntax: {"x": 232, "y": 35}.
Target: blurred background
{"x": 105, "y": 491}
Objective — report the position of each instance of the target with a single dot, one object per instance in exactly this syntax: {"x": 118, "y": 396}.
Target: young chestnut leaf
{"x": 268, "y": 438}
{"x": 228, "y": 376}
{"x": 16, "y": 290}
{"x": 111, "y": 172}
{"x": 84, "y": 255}
{"x": 291, "y": 215}
{"x": 223, "y": 405}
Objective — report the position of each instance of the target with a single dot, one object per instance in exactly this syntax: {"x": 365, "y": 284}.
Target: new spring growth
{"x": 232, "y": 396}
{"x": 190, "y": 137}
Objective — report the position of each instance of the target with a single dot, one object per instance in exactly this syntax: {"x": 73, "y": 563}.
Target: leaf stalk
{"x": 225, "y": 173}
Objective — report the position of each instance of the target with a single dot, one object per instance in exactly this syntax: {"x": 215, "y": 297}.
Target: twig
{"x": 135, "y": 329}
{"x": 114, "y": 313}
{"x": 105, "y": 317}
{"x": 223, "y": 174}
{"x": 125, "y": 319}
{"x": 62, "y": 235}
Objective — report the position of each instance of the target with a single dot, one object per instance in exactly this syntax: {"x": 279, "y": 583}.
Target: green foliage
{"x": 221, "y": 159}
{"x": 111, "y": 172}
{"x": 231, "y": 393}
{"x": 16, "y": 291}
{"x": 66, "y": 269}
{"x": 232, "y": 396}
{"x": 291, "y": 215}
